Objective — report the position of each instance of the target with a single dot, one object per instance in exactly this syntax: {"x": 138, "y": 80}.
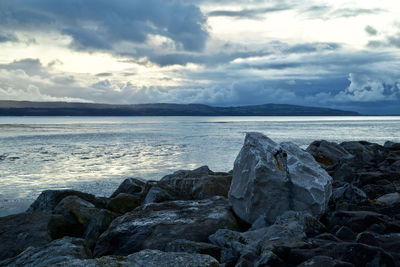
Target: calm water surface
{"x": 95, "y": 154}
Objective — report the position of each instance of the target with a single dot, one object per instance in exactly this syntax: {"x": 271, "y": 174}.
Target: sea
{"x": 95, "y": 154}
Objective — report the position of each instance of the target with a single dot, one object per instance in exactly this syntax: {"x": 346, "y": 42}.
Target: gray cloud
{"x": 101, "y": 24}
{"x": 327, "y": 12}
{"x": 224, "y": 57}
{"x": 7, "y": 37}
{"x": 371, "y": 30}
{"x": 254, "y": 13}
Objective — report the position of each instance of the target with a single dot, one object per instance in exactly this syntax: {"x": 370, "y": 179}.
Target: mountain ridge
{"x": 30, "y": 108}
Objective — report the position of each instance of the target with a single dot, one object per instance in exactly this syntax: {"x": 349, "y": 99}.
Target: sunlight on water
{"x": 95, "y": 154}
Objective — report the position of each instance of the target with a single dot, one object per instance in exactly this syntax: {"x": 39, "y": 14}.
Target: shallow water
{"x": 95, "y": 154}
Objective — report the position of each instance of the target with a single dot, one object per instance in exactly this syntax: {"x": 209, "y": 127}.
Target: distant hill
{"x": 27, "y": 108}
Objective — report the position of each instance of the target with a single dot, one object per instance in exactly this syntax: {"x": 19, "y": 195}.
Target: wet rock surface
{"x": 20, "y": 231}
{"x": 154, "y": 225}
{"x": 57, "y": 251}
{"x": 185, "y": 219}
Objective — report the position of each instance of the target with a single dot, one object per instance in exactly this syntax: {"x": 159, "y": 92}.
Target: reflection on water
{"x": 95, "y": 154}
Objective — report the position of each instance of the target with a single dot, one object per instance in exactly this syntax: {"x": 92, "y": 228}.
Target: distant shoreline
{"x": 26, "y": 108}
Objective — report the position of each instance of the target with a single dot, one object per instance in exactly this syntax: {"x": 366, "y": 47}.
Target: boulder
{"x": 201, "y": 183}
{"x": 147, "y": 258}
{"x": 367, "y": 238}
{"x": 357, "y": 221}
{"x": 49, "y": 199}
{"x": 390, "y": 199}
{"x": 288, "y": 231}
{"x": 269, "y": 179}
{"x": 98, "y": 223}
{"x": 348, "y": 194}
{"x": 133, "y": 186}
{"x": 153, "y": 226}
{"x": 327, "y": 153}
{"x": 20, "y": 231}
{"x": 354, "y": 253}
{"x": 123, "y": 202}
{"x": 57, "y": 251}
{"x": 183, "y": 245}
{"x": 71, "y": 217}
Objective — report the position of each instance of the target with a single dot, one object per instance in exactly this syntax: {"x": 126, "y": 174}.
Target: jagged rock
{"x": 71, "y": 217}
{"x": 392, "y": 145}
{"x": 155, "y": 225}
{"x": 287, "y": 232}
{"x": 57, "y": 251}
{"x": 365, "y": 151}
{"x": 355, "y": 253}
{"x": 348, "y": 194}
{"x": 157, "y": 193}
{"x": 20, "y": 231}
{"x": 390, "y": 199}
{"x": 99, "y": 222}
{"x": 133, "y": 186}
{"x": 324, "y": 261}
{"x": 345, "y": 233}
{"x": 327, "y": 153}
{"x": 49, "y": 199}
{"x": 183, "y": 245}
{"x": 375, "y": 191}
{"x": 232, "y": 245}
{"x": 367, "y": 238}
{"x": 267, "y": 258}
{"x": 122, "y": 203}
{"x": 261, "y": 186}
{"x": 201, "y": 183}
{"x": 147, "y": 258}
{"x": 357, "y": 221}
{"x": 309, "y": 225}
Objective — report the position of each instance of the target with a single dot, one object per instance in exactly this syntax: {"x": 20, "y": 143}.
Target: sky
{"x": 339, "y": 54}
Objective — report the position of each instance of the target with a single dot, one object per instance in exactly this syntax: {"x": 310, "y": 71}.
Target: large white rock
{"x": 270, "y": 179}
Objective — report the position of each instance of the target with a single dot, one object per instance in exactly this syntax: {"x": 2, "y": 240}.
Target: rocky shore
{"x": 329, "y": 205}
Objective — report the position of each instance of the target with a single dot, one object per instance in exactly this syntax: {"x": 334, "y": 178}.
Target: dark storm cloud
{"x": 371, "y": 30}
{"x": 99, "y": 24}
{"x": 248, "y": 13}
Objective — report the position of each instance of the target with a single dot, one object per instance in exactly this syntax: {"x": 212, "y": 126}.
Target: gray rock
{"x": 367, "y": 238}
{"x": 183, "y": 245}
{"x": 99, "y": 222}
{"x": 155, "y": 225}
{"x": 390, "y": 199}
{"x": 348, "y": 194}
{"x": 262, "y": 185}
{"x": 327, "y": 153}
{"x": 147, "y": 258}
{"x": 71, "y": 217}
{"x": 325, "y": 261}
{"x": 159, "y": 193}
{"x": 307, "y": 223}
{"x": 201, "y": 183}
{"x": 345, "y": 233}
{"x": 123, "y": 202}
{"x": 362, "y": 150}
{"x": 49, "y": 199}
{"x": 233, "y": 244}
{"x": 287, "y": 232}
{"x": 57, "y": 251}
{"x": 133, "y": 186}
{"x": 20, "y": 231}
{"x": 390, "y": 144}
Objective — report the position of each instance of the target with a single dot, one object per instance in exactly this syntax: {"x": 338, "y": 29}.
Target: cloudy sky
{"x": 340, "y": 54}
